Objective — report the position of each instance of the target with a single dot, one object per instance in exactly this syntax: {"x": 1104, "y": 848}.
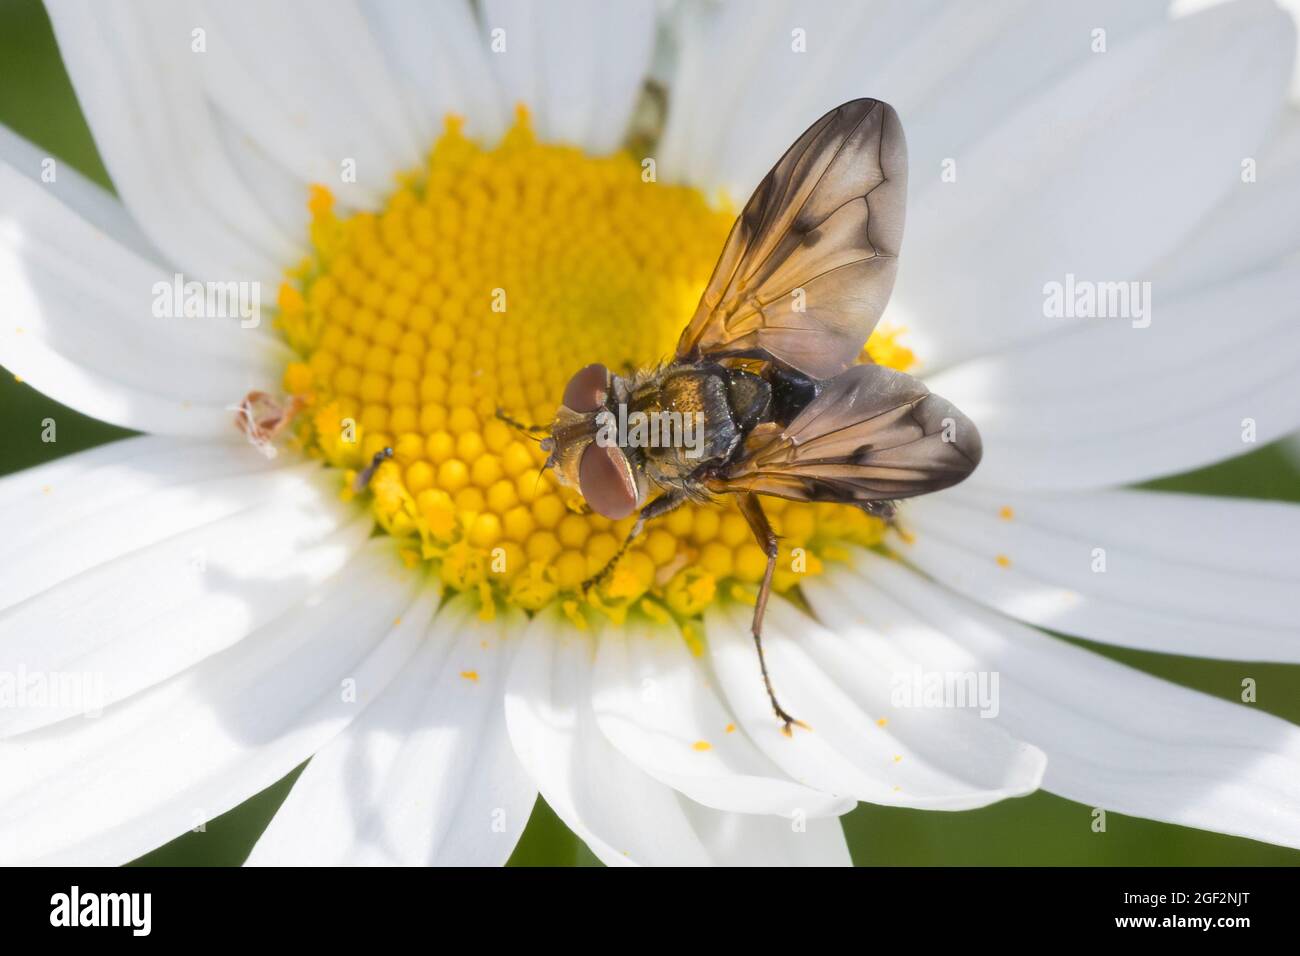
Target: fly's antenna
{"x": 528, "y": 431}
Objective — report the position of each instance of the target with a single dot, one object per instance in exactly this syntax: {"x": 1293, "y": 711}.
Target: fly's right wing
{"x": 809, "y": 265}
{"x": 873, "y": 434}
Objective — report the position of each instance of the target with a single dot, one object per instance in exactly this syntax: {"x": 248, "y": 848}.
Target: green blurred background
{"x": 37, "y": 101}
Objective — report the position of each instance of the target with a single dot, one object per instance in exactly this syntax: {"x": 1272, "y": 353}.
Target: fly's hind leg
{"x": 752, "y": 509}
{"x": 660, "y": 506}
{"x": 887, "y": 511}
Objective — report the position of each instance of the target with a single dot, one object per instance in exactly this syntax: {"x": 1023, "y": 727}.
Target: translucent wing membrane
{"x": 873, "y": 434}
{"x": 809, "y": 265}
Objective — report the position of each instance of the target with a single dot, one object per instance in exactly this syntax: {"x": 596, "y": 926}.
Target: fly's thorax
{"x": 681, "y": 419}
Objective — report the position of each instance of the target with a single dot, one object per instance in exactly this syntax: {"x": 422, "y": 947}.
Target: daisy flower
{"x": 436, "y": 200}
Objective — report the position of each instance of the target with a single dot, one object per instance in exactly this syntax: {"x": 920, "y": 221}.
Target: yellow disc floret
{"x": 487, "y": 279}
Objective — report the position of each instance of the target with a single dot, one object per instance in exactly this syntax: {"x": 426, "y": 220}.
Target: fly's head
{"x": 582, "y": 453}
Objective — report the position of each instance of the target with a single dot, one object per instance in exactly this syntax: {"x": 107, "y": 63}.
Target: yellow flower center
{"x": 488, "y": 278}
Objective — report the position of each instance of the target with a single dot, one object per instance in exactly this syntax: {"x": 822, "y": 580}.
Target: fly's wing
{"x": 809, "y": 265}
{"x": 873, "y": 434}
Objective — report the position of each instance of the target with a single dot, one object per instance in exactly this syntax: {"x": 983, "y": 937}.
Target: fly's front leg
{"x": 752, "y": 509}
{"x": 660, "y": 506}
{"x": 521, "y": 426}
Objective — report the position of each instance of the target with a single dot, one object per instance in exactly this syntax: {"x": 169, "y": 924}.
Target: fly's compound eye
{"x": 605, "y": 479}
{"x": 587, "y": 389}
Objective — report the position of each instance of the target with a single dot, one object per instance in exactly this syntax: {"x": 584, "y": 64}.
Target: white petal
{"x": 1182, "y": 574}
{"x": 1099, "y": 176}
{"x": 624, "y": 816}
{"x": 1256, "y": 225}
{"x": 116, "y": 472}
{"x": 81, "y": 510}
{"x": 839, "y": 684}
{"x": 441, "y": 65}
{"x": 87, "y": 199}
{"x": 1045, "y": 41}
{"x": 139, "y": 82}
{"x": 312, "y": 88}
{"x": 747, "y": 839}
{"x": 281, "y": 195}
{"x": 426, "y": 775}
{"x": 103, "y": 791}
{"x": 660, "y": 708}
{"x": 1114, "y": 737}
{"x": 1114, "y": 402}
{"x": 152, "y": 582}
{"x": 80, "y": 325}
{"x": 943, "y": 66}
{"x": 578, "y": 64}
{"x": 1293, "y": 8}
{"x": 760, "y": 92}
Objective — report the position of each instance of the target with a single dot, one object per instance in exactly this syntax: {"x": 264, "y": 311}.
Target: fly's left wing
{"x": 873, "y": 434}
{"x": 809, "y": 265}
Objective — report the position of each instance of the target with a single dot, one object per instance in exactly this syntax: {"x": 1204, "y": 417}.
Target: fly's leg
{"x": 521, "y": 426}
{"x": 752, "y": 509}
{"x": 660, "y": 506}
{"x": 887, "y": 511}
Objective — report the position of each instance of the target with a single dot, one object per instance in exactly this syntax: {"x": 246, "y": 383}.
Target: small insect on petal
{"x": 363, "y": 477}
